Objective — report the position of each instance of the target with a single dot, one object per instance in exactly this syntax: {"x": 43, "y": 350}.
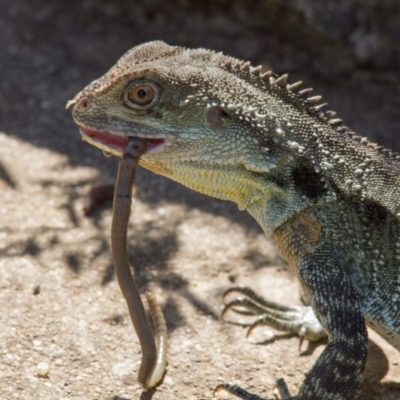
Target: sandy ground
{"x": 60, "y": 303}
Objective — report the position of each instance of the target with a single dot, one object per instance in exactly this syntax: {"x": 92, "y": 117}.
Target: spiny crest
{"x": 282, "y": 81}
{"x": 269, "y": 80}
{"x": 294, "y": 86}
{"x": 236, "y": 66}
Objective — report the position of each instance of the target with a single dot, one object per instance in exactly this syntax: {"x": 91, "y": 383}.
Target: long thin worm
{"x": 154, "y": 352}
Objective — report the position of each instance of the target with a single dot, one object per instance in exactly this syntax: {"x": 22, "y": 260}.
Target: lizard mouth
{"x": 115, "y": 144}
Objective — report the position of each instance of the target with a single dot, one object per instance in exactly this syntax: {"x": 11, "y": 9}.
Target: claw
{"x": 301, "y": 340}
{"x": 259, "y": 321}
{"x": 225, "y": 310}
{"x": 251, "y": 328}
{"x": 237, "y": 391}
{"x": 302, "y": 335}
{"x": 220, "y": 387}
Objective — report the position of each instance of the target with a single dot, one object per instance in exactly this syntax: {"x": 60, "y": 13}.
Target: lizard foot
{"x": 245, "y": 395}
{"x": 299, "y": 320}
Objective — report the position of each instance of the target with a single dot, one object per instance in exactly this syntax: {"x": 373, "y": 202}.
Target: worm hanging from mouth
{"x": 154, "y": 351}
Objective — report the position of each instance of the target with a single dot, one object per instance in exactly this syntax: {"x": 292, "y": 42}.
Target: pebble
{"x": 43, "y": 370}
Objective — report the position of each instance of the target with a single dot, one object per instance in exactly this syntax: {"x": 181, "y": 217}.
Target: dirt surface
{"x": 66, "y": 332}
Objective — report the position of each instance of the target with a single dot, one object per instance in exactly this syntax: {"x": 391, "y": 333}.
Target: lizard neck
{"x": 275, "y": 207}
{"x": 270, "y": 198}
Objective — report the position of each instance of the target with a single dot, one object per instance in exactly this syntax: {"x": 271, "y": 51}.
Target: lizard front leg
{"x": 321, "y": 264}
{"x": 337, "y": 373}
{"x": 320, "y": 261}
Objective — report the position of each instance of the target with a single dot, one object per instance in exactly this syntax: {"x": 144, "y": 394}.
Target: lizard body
{"x": 330, "y": 198}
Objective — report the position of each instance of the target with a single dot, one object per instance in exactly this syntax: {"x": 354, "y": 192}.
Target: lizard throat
{"x": 115, "y": 144}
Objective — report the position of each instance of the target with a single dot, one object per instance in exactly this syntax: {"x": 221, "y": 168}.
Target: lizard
{"x": 329, "y": 198}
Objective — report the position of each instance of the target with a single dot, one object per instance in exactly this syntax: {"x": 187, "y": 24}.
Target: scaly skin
{"x": 330, "y": 199}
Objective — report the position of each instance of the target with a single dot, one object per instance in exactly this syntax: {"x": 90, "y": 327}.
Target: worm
{"x": 154, "y": 350}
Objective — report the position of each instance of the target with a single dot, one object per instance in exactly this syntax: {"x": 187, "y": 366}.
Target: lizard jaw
{"x": 115, "y": 144}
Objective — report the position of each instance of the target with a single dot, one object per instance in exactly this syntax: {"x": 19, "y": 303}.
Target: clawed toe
{"x": 299, "y": 320}
{"x": 237, "y": 391}
{"x": 245, "y": 395}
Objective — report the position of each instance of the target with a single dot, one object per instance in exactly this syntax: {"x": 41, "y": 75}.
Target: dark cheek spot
{"x": 216, "y": 117}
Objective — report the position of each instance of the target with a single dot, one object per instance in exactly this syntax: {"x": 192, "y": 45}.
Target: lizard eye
{"x": 141, "y": 96}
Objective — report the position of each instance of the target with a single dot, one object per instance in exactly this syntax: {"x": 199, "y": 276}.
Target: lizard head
{"x": 206, "y": 117}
